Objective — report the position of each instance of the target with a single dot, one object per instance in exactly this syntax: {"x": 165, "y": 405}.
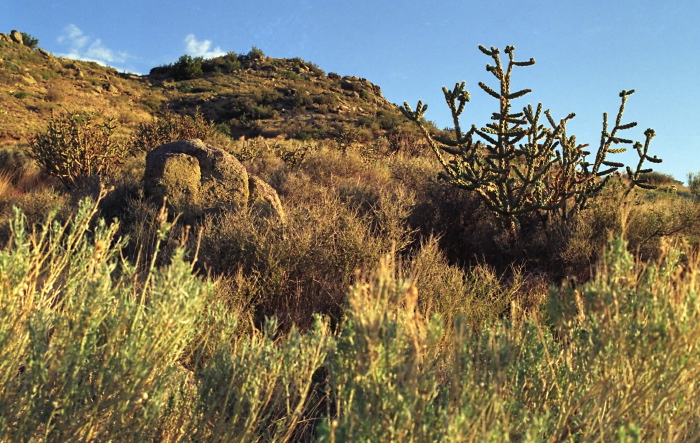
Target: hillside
{"x": 300, "y": 278}
{"x": 245, "y": 95}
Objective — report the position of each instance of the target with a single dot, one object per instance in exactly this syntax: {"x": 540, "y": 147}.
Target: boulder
{"x": 5, "y": 37}
{"x": 196, "y": 177}
{"x": 28, "y": 79}
{"x": 264, "y": 200}
{"x": 16, "y": 37}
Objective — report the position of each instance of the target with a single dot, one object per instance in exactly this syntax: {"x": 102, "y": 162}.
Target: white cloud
{"x": 198, "y": 48}
{"x": 83, "y": 47}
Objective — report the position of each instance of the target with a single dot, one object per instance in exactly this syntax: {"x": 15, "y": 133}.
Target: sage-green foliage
{"x": 91, "y": 348}
{"x": 187, "y": 68}
{"x": 76, "y": 147}
{"x": 88, "y": 349}
{"x": 519, "y": 164}
{"x": 256, "y": 53}
{"x": 617, "y": 361}
{"x": 255, "y": 388}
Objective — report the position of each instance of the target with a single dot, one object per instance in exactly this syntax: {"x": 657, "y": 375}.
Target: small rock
{"x": 28, "y": 79}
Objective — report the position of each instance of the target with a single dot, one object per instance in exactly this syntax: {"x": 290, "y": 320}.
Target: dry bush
{"x": 334, "y": 227}
{"x": 7, "y": 188}
{"x": 477, "y": 296}
{"x": 296, "y": 270}
{"x": 169, "y": 128}
{"x": 57, "y": 91}
{"x": 77, "y": 147}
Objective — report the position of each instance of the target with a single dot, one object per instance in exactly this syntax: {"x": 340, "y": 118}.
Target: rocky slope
{"x": 245, "y": 95}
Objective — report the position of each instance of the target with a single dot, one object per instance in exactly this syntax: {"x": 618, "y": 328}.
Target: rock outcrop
{"x": 195, "y": 178}
{"x": 264, "y": 200}
{"x": 16, "y": 37}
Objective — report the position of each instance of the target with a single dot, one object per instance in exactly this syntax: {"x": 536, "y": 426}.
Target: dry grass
{"x": 415, "y": 345}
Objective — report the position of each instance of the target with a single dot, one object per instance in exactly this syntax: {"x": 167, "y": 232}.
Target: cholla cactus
{"x": 518, "y": 165}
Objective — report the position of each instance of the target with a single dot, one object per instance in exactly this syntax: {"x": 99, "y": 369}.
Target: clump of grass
{"x": 7, "y": 188}
{"x": 84, "y": 353}
{"x": 613, "y": 360}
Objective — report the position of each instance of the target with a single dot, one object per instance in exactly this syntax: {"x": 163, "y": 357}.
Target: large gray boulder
{"x": 196, "y": 177}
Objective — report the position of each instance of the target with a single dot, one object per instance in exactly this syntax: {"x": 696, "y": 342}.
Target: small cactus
{"x": 519, "y": 165}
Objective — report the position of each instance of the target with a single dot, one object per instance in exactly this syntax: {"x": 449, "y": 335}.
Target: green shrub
{"x": 256, "y": 53}
{"x": 95, "y": 348}
{"x": 152, "y": 103}
{"x": 694, "y": 183}
{"x": 225, "y": 64}
{"x": 290, "y": 75}
{"x": 29, "y": 41}
{"x": 302, "y": 99}
{"x": 612, "y": 361}
{"x": 21, "y": 94}
{"x": 77, "y": 147}
{"x": 187, "y": 68}
{"x": 85, "y": 354}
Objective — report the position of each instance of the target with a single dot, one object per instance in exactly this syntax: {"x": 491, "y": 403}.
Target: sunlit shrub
{"x": 168, "y": 128}
{"x": 77, "y": 147}
{"x": 187, "y": 68}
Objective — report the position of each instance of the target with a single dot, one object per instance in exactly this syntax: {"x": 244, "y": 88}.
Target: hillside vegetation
{"x": 245, "y": 95}
{"x": 387, "y": 303}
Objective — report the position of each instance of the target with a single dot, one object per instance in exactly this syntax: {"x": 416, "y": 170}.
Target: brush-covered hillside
{"x": 249, "y": 249}
{"x": 246, "y": 95}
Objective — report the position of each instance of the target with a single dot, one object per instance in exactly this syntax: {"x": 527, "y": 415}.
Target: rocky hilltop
{"x": 248, "y": 95}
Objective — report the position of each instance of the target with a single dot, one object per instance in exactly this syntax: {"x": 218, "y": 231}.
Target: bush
{"x": 612, "y": 361}
{"x": 29, "y": 41}
{"x": 57, "y": 91}
{"x": 21, "y": 94}
{"x": 169, "y": 128}
{"x": 76, "y": 147}
{"x": 93, "y": 347}
{"x": 694, "y": 183}
{"x": 225, "y": 64}
{"x": 256, "y": 53}
{"x": 187, "y": 68}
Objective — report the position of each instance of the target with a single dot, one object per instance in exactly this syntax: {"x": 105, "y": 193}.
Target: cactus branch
{"x": 518, "y": 164}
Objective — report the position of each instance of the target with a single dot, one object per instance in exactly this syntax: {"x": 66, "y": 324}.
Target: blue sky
{"x": 587, "y": 51}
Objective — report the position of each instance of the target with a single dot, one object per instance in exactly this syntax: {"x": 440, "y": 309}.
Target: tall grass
{"x": 617, "y": 360}
{"x": 94, "y": 347}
